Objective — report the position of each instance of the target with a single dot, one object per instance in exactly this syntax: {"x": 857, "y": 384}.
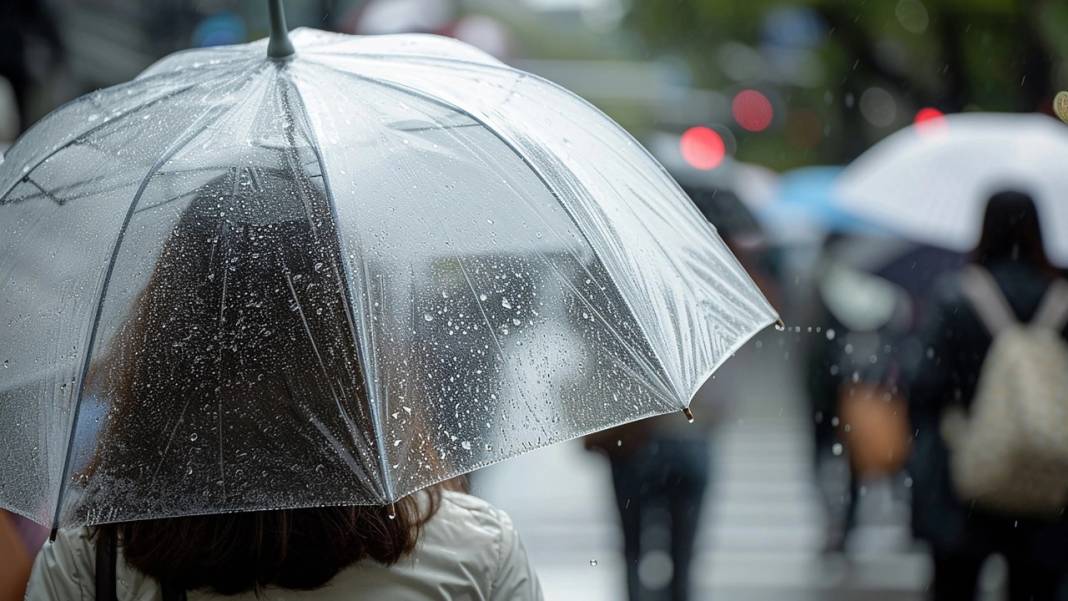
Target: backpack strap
{"x": 987, "y": 299}
{"x": 1053, "y": 312}
{"x": 106, "y": 561}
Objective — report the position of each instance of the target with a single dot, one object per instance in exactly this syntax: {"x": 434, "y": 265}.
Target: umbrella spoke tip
{"x": 689, "y": 414}
{"x": 780, "y": 325}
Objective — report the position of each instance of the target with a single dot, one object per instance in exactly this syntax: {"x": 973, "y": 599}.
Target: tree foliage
{"x": 996, "y": 55}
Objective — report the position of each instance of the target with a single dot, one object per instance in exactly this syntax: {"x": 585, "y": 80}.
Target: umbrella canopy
{"x": 335, "y": 276}
{"x": 931, "y": 181}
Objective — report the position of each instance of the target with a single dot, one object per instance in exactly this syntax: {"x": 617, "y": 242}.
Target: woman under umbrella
{"x": 224, "y": 363}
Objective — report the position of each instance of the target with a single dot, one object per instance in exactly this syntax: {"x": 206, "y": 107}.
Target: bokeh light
{"x": 752, "y": 110}
{"x": 702, "y": 148}
{"x": 929, "y": 120}
{"x": 878, "y": 107}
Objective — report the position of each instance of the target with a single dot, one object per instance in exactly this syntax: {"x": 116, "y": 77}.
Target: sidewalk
{"x": 762, "y": 527}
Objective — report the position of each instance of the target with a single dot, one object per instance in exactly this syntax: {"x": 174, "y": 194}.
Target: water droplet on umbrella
{"x": 837, "y": 448}
{"x": 428, "y": 317}
{"x": 466, "y": 445}
{"x": 193, "y": 437}
{"x": 593, "y": 563}
{"x": 318, "y": 266}
{"x": 482, "y": 297}
{"x": 506, "y": 303}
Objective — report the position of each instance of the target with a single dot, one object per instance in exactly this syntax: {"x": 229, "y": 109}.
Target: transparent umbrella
{"x": 259, "y": 278}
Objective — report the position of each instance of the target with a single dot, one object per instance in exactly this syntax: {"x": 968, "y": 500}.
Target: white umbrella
{"x": 931, "y": 181}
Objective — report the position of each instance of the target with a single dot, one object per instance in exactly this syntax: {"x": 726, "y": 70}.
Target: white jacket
{"x": 469, "y": 551}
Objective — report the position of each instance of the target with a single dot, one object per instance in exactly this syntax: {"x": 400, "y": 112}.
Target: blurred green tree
{"x": 953, "y": 55}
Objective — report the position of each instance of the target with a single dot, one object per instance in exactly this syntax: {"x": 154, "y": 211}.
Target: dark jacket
{"x": 954, "y": 343}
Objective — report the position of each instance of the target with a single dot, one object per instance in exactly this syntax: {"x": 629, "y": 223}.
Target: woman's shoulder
{"x": 462, "y": 506}
{"x": 65, "y": 568}
{"x": 468, "y": 550}
{"x": 465, "y": 523}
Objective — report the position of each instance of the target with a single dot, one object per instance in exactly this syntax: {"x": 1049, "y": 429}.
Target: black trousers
{"x": 956, "y": 577}
{"x": 670, "y": 476}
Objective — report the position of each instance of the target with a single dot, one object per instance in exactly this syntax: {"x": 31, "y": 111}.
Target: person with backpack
{"x": 989, "y": 407}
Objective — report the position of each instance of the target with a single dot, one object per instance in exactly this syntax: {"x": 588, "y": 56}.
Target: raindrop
{"x": 466, "y": 445}
{"x": 837, "y": 448}
{"x": 516, "y": 322}
{"x": 506, "y": 303}
{"x": 189, "y": 471}
{"x": 5, "y": 364}
{"x": 318, "y": 266}
{"x": 428, "y": 317}
{"x": 593, "y": 563}
{"x": 193, "y": 437}
{"x": 830, "y": 334}
{"x": 482, "y": 297}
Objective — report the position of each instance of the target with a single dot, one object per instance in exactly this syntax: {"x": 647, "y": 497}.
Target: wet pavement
{"x": 762, "y": 529}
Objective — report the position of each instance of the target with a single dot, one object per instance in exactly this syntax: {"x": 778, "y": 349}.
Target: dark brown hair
{"x": 1012, "y": 232}
{"x": 244, "y": 333}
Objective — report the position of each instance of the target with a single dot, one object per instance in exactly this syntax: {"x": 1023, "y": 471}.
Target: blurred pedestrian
{"x": 956, "y": 337}
{"x": 660, "y": 471}
{"x": 438, "y": 543}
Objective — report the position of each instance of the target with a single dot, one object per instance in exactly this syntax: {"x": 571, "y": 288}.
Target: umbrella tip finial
{"x": 279, "y": 46}
{"x": 689, "y": 414}
{"x": 780, "y": 325}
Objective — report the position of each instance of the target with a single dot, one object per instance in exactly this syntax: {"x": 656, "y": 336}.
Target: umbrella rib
{"x": 417, "y": 58}
{"x": 76, "y": 139}
{"x": 608, "y": 324}
{"x": 637, "y": 356}
{"x": 506, "y": 69}
{"x": 187, "y": 136}
{"x": 493, "y": 334}
{"x": 526, "y": 161}
{"x": 365, "y": 354}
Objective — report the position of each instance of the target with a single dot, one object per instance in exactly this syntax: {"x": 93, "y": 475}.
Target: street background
{"x": 749, "y": 104}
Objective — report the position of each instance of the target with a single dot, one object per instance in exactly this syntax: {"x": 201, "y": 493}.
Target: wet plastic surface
{"x": 236, "y": 283}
